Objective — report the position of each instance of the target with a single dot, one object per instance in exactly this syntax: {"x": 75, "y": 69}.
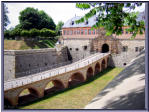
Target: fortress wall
{"x": 19, "y": 61}
{"x": 74, "y": 44}
{"x": 122, "y": 59}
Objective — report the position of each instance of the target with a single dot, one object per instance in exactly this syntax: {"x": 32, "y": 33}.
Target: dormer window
{"x": 72, "y": 22}
{"x": 86, "y": 22}
{"x": 96, "y": 18}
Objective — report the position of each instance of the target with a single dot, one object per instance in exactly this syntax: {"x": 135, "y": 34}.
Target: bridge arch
{"x": 75, "y": 79}
{"x": 27, "y": 94}
{"x": 89, "y": 72}
{"x": 53, "y": 86}
{"x": 97, "y": 68}
{"x": 103, "y": 64}
{"x": 105, "y": 48}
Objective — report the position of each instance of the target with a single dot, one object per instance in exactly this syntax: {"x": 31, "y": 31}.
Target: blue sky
{"x": 58, "y": 11}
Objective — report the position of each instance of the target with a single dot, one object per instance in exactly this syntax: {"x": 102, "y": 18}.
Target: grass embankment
{"x": 76, "y": 97}
{"x": 21, "y": 44}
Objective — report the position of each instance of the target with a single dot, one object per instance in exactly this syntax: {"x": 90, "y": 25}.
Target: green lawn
{"x": 76, "y": 97}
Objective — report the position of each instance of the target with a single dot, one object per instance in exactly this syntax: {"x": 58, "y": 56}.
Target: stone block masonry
{"x": 16, "y": 62}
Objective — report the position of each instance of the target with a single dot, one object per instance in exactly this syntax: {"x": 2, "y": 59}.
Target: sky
{"x": 58, "y": 11}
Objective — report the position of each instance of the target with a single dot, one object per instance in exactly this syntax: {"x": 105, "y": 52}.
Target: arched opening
{"x": 89, "y": 73}
{"x": 75, "y": 79}
{"x": 97, "y": 68}
{"x": 103, "y": 64}
{"x": 105, "y": 48}
{"x": 53, "y": 86}
{"x": 7, "y": 104}
{"x": 27, "y": 95}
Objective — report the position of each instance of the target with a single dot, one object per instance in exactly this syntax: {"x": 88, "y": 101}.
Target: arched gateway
{"x": 105, "y": 48}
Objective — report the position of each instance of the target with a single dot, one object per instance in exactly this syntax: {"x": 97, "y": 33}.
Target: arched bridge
{"x": 61, "y": 78}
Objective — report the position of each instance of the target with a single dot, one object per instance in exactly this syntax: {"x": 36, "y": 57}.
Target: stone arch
{"x": 89, "y": 72}
{"x": 53, "y": 86}
{"x": 105, "y": 48}
{"x": 97, "y": 68}
{"x": 27, "y": 97}
{"x": 75, "y": 79}
{"x": 7, "y": 103}
{"x": 103, "y": 64}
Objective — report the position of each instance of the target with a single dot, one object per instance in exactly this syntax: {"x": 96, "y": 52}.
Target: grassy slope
{"x": 21, "y": 45}
{"x": 78, "y": 97}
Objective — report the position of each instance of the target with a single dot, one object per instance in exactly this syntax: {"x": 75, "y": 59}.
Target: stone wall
{"x": 122, "y": 59}
{"x": 16, "y": 62}
{"x": 78, "y": 48}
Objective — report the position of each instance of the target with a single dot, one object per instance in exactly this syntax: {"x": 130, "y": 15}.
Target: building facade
{"x": 82, "y": 40}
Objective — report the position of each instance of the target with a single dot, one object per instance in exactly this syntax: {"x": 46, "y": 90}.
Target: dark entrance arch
{"x": 105, "y": 48}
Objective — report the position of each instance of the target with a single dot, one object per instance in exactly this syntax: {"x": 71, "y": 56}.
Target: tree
{"x": 32, "y": 18}
{"x": 59, "y": 27}
{"x": 6, "y": 19}
{"x": 112, "y": 17}
{"x": 46, "y": 21}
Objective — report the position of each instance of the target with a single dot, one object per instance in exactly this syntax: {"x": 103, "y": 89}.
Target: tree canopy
{"x": 113, "y": 16}
{"x": 6, "y": 19}
{"x": 32, "y": 18}
{"x": 59, "y": 27}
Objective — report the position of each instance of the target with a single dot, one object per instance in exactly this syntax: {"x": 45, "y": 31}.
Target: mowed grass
{"x": 76, "y": 97}
{"x": 22, "y": 45}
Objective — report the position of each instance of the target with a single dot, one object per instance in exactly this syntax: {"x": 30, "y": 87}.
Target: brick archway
{"x": 105, "y": 48}
{"x": 75, "y": 79}
{"x": 54, "y": 85}
{"x": 97, "y": 68}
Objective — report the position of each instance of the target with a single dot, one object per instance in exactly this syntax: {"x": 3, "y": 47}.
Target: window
{"x": 78, "y": 31}
{"x": 85, "y": 31}
{"x": 86, "y": 22}
{"x": 81, "y": 31}
{"x": 45, "y": 64}
{"x": 89, "y": 31}
{"x": 77, "y": 49}
{"x": 70, "y": 48}
{"x": 75, "y": 32}
{"x": 125, "y": 48}
{"x": 136, "y": 49}
{"x": 72, "y": 22}
{"x": 85, "y": 47}
{"x": 71, "y": 32}
{"x": 141, "y": 48}
{"x": 67, "y": 32}
{"x": 64, "y": 32}
{"x": 94, "y": 31}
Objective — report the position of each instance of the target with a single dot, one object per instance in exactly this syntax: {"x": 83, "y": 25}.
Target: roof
{"x": 91, "y": 22}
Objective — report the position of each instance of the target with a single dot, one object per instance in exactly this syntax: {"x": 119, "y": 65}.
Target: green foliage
{"x": 6, "y": 19}
{"x": 32, "y": 18}
{"x": 25, "y": 33}
{"x": 34, "y": 32}
{"x": 47, "y": 33}
{"x": 112, "y": 17}
{"x": 59, "y": 27}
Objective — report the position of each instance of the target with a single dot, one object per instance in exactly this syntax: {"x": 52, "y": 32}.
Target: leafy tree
{"x": 112, "y": 17}
{"x": 33, "y": 33}
{"x": 25, "y": 33}
{"x": 6, "y": 19}
{"x": 46, "y": 21}
{"x": 32, "y": 18}
{"x": 59, "y": 27}
{"x": 29, "y": 18}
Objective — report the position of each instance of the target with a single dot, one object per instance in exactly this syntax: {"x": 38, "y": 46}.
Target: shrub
{"x": 47, "y": 33}
{"x": 34, "y": 33}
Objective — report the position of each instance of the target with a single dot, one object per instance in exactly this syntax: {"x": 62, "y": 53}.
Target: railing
{"x": 41, "y": 69}
{"x": 43, "y": 75}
